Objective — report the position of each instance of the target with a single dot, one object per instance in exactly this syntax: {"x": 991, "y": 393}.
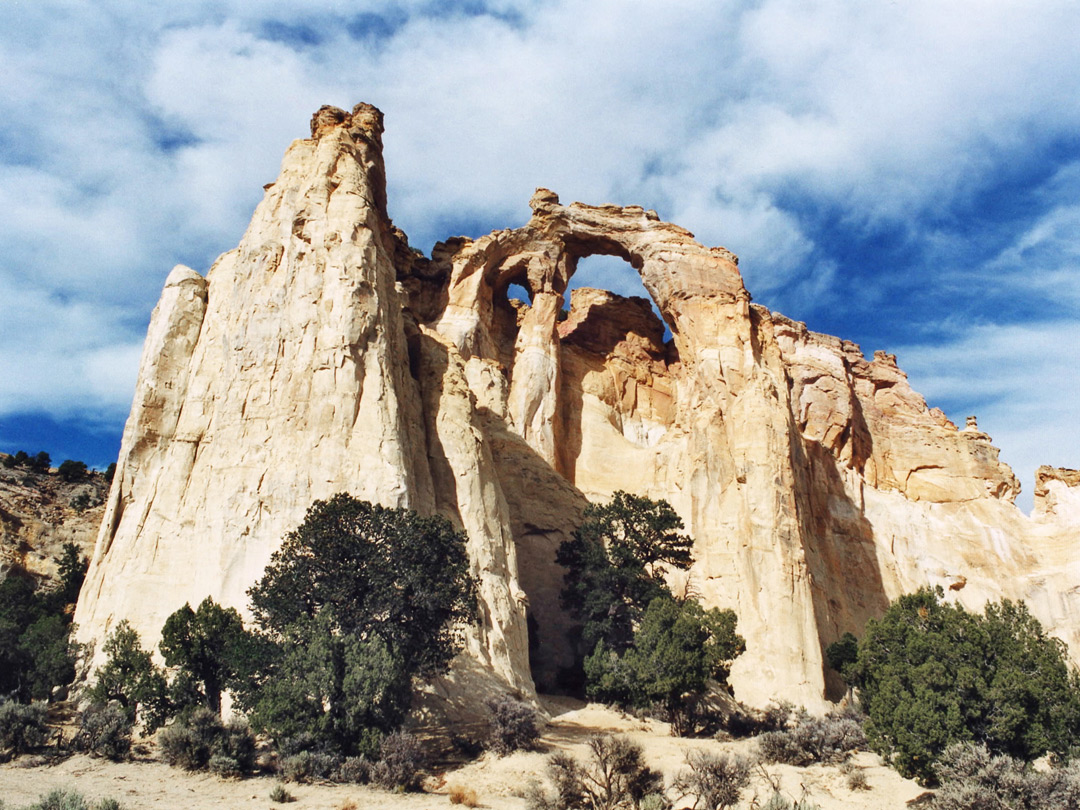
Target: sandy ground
{"x": 498, "y": 782}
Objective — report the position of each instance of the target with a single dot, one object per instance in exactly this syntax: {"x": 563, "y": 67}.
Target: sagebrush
{"x": 104, "y": 731}
{"x": 401, "y": 762}
{"x": 809, "y": 739}
{"x": 23, "y": 727}
{"x": 614, "y": 776}
{"x": 512, "y": 725}
{"x": 972, "y": 777}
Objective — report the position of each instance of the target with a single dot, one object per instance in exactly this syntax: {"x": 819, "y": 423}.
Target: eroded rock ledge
{"x": 323, "y": 354}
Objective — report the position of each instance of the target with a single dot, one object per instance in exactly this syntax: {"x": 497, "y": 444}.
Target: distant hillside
{"x": 40, "y": 511}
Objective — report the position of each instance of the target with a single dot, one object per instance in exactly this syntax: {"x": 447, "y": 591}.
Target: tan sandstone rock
{"x": 323, "y": 355}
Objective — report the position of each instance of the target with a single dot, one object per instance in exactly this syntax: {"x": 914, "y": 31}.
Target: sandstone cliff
{"x": 324, "y": 355}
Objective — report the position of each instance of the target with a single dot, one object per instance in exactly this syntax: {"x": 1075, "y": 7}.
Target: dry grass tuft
{"x": 463, "y": 795}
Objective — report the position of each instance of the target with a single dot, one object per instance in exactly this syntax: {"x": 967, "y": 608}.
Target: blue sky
{"x": 905, "y": 175}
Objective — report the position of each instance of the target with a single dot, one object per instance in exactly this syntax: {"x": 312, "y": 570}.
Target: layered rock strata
{"x": 324, "y": 355}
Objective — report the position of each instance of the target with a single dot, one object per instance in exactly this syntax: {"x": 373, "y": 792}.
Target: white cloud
{"x": 69, "y": 358}
{"x": 1045, "y": 259}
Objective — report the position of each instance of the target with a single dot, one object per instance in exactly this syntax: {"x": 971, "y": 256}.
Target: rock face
{"x": 324, "y": 355}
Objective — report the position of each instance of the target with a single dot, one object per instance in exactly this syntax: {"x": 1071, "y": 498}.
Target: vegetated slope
{"x": 40, "y": 512}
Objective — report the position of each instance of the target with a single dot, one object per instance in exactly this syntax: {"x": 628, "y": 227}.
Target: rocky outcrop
{"x": 324, "y": 355}
{"x": 292, "y": 372}
{"x": 40, "y": 512}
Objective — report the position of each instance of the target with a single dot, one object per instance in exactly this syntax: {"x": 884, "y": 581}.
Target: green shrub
{"x": 354, "y": 770}
{"x": 60, "y": 799}
{"x": 280, "y": 795}
{"x": 36, "y": 651}
{"x": 780, "y": 802}
{"x": 130, "y": 678}
{"x": 239, "y": 744}
{"x": 190, "y": 743}
{"x": 23, "y": 727}
{"x": 512, "y": 726}
{"x": 615, "y": 564}
{"x": 309, "y": 766}
{"x": 104, "y": 731}
{"x": 357, "y": 602}
{"x": 676, "y": 651}
{"x": 204, "y": 645}
{"x": 225, "y": 765}
{"x": 201, "y": 740}
{"x": 71, "y": 470}
{"x": 973, "y": 777}
{"x": 930, "y": 674}
{"x": 638, "y": 645}
{"x": 40, "y": 463}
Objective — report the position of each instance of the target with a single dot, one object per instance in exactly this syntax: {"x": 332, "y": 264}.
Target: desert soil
{"x": 498, "y": 782}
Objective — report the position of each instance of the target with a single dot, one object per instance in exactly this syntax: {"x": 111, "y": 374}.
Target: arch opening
{"x": 517, "y": 292}
{"x": 611, "y": 273}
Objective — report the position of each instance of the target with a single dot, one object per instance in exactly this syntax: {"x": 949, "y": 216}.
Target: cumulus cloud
{"x": 881, "y": 169}
{"x": 68, "y": 358}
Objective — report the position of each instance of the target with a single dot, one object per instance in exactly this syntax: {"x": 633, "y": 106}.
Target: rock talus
{"x": 324, "y": 355}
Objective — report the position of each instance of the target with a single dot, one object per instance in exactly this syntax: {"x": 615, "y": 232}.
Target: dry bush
{"x": 856, "y": 776}
{"x": 856, "y": 780}
{"x": 615, "y": 776}
{"x": 460, "y": 794}
{"x": 401, "y": 762}
{"x": 104, "y": 731}
{"x": 810, "y": 739}
{"x": 512, "y": 726}
{"x": 714, "y": 781}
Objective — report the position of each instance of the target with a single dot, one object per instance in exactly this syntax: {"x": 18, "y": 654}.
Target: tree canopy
{"x": 615, "y": 565}
{"x": 36, "y": 650}
{"x": 358, "y": 600}
{"x": 639, "y": 645}
{"x": 130, "y": 678}
{"x": 204, "y": 644}
{"x": 931, "y": 674}
{"x": 678, "y": 648}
